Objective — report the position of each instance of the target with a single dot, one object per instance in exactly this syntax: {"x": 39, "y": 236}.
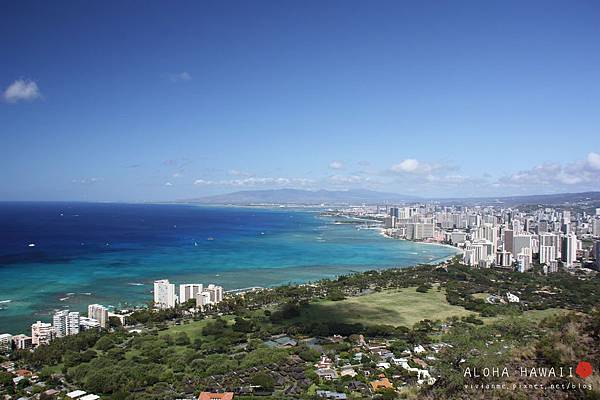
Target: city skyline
{"x": 457, "y": 100}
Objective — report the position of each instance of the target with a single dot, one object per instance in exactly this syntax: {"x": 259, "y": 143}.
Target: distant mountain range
{"x": 307, "y": 197}
{"x": 362, "y": 196}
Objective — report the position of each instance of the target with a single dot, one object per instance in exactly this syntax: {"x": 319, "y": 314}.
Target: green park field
{"x": 391, "y": 307}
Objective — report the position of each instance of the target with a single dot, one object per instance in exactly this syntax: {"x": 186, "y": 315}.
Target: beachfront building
{"x": 215, "y": 293}
{"x": 99, "y": 313}
{"x": 5, "y": 342}
{"x": 65, "y": 323}
{"x": 41, "y": 333}
{"x": 212, "y": 295}
{"x": 86, "y": 323}
{"x": 164, "y": 294}
{"x": 188, "y": 291}
{"x": 21, "y": 342}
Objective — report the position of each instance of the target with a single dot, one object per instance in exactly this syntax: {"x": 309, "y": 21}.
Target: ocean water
{"x": 110, "y": 253}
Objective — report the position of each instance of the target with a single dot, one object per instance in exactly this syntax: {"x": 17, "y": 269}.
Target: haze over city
{"x": 120, "y": 102}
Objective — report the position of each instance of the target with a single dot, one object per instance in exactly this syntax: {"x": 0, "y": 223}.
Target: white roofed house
{"x": 512, "y": 298}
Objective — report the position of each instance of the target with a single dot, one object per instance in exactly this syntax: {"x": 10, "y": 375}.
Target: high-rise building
{"x": 569, "y": 250}
{"x": 22, "y": 342}
{"x": 41, "y": 333}
{"x": 65, "y": 323}
{"x": 188, "y": 291}
{"x": 547, "y": 254}
{"x": 99, "y": 313}
{"x": 6, "y": 341}
{"x": 596, "y": 249}
{"x": 504, "y": 259}
{"x": 596, "y": 227}
{"x": 164, "y": 294}
{"x": 216, "y": 293}
{"x": 521, "y": 242}
{"x": 213, "y": 294}
{"x": 202, "y": 300}
{"x": 524, "y": 259}
{"x": 508, "y": 240}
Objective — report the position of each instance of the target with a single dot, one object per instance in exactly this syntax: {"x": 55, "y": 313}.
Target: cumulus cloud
{"x": 414, "y": 166}
{"x": 21, "y": 90}
{"x": 180, "y": 77}
{"x": 581, "y": 174}
{"x": 407, "y": 165}
{"x": 593, "y": 160}
{"x": 336, "y": 165}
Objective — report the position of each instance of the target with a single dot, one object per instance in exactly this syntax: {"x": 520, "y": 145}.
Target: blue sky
{"x": 134, "y": 101}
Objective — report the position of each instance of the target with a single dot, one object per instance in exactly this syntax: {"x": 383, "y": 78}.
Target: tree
{"x": 243, "y": 325}
{"x": 264, "y": 380}
{"x": 105, "y": 343}
{"x": 182, "y": 339}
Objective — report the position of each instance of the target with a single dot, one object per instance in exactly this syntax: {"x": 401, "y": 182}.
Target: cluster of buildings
{"x": 492, "y": 236}
{"x": 165, "y": 295}
{"x": 64, "y": 323}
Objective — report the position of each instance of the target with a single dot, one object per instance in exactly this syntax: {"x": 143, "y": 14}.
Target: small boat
{"x": 31, "y": 245}
{"x": 195, "y": 243}
{"x": 210, "y": 238}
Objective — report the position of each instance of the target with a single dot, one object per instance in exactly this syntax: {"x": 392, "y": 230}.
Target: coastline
{"x": 382, "y": 232}
{"x": 298, "y": 247}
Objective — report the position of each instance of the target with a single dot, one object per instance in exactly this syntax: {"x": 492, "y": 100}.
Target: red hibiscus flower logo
{"x": 584, "y": 369}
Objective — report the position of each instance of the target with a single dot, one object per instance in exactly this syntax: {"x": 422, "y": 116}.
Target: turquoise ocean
{"x": 68, "y": 255}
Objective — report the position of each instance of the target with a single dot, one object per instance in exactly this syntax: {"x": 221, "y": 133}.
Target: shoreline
{"x": 126, "y": 291}
{"x": 456, "y": 249}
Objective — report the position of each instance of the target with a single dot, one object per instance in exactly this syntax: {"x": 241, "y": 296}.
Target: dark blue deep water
{"x": 110, "y": 253}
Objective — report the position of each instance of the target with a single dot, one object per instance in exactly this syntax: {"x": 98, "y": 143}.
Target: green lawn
{"x": 193, "y": 328}
{"x": 391, "y": 307}
{"x": 538, "y": 315}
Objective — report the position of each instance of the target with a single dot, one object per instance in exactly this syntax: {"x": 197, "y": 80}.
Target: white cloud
{"x": 180, "y": 77}
{"x": 409, "y": 165}
{"x": 579, "y": 175}
{"x": 593, "y": 160}
{"x": 21, "y": 90}
{"x": 203, "y": 182}
{"x": 257, "y": 181}
{"x": 87, "y": 181}
{"x": 336, "y": 165}
{"x": 168, "y": 184}
{"x": 348, "y": 179}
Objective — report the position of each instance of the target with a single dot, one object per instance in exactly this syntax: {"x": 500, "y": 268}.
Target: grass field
{"x": 193, "y": 328}
{"x": 391, "y": 307}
